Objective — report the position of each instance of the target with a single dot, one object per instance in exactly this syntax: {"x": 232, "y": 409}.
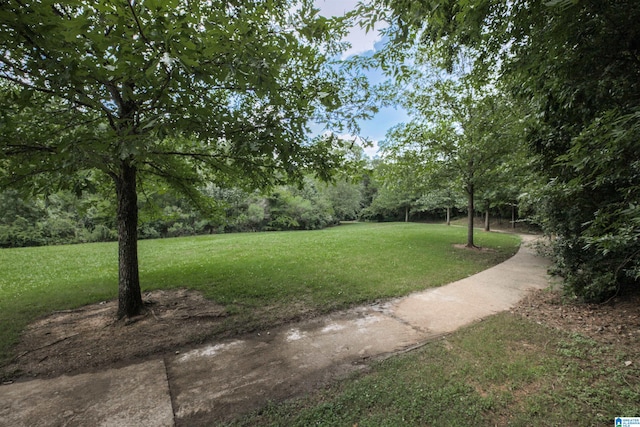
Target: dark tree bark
{"x": 470, "y": 214}
{"x": 129, "y": 295}
{"x": 487, "y": 225}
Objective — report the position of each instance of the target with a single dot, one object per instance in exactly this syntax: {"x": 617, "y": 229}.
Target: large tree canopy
{"x": 190, "y": 92}
{"x": 576, "y": 65}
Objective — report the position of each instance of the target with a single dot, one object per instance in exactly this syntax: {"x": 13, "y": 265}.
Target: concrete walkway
{"x": 212, "y": 383}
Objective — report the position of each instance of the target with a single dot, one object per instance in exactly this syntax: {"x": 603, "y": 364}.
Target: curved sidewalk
{"x": 215, "y": 382}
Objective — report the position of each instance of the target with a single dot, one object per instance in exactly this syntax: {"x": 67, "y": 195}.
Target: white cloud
{"x": 335, "y": 7}
{"x": 371, "y": 151}
{"x": 361, "y": 41}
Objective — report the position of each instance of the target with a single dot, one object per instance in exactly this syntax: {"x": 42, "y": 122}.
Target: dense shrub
{"x": 65, "y": 217}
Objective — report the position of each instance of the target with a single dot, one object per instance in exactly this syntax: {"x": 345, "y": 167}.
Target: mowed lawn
{"x": 316, "y": 271}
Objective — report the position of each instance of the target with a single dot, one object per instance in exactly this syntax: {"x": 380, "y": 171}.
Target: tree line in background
{"x": 67, "y": 216}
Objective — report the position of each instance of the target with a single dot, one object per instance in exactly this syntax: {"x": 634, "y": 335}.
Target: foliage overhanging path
{"x": 566, "y": 72}
{"x": 198, "y": 387}
{"x": 183, "y": 93}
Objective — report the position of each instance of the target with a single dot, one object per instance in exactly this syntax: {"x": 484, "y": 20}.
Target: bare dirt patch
{"x": 615, "y": 322}
{"x": 474, "y": 248}
{"x": 91, "y": 338}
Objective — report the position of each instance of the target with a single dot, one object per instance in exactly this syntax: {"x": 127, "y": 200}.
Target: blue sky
{"x": 365, "y": 43}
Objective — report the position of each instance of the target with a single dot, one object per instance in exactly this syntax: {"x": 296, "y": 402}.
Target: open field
{"x": 293, "y": 274}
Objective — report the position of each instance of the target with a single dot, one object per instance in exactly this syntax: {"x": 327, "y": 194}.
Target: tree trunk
{"x": 487, "y": 226}
{"x": 470, "y": 213}
{"x": 448, "y": 215}
{"x": 406, "y": 214}
{"x": 513, "y": 216}
{"x": 129, "y": 295}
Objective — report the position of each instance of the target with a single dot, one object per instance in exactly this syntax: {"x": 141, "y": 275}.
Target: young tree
{"x": 190, "y": 92}
{"x": 575, "y": 64}
{"x": 457, "y": 133}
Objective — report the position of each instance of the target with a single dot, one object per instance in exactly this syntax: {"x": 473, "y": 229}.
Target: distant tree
{"x": 188, "y": 92}
{"x": 400, "y": 184}
{"x": 440, "y": 196}
{"x": 61, "y": 217}
{"x": 347, "y": 192}
{"x": 18, "y": 219}
{"x": 298, "y": 208}
{"x": 346, "y": 198}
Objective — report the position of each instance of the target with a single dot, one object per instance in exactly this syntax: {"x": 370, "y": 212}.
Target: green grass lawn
{"x": 503, "y": 371}
{"x": 311, "y": 271}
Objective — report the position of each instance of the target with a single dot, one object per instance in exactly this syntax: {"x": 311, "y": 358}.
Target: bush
{"x": 282, "y": 222}
{"x": 19, "y": 234}
{"x": 598, "y": 238}
{"x": 148, "y": 230}
{"x": 64, "y": 217}
{"x": 103, "y": 234}
{"x": 60, "y": 230}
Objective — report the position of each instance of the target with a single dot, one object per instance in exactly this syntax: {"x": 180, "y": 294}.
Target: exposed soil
{"x": 90, "y": 338}
{"x": 474, "y": 248}
{"x": 614, "y": 322}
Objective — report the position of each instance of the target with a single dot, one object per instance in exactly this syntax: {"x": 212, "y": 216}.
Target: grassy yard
{"x": 504, "y": 371}
{"x": 314, "y": 271}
